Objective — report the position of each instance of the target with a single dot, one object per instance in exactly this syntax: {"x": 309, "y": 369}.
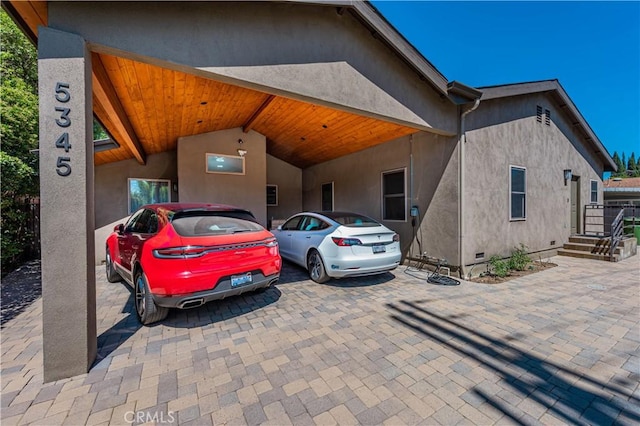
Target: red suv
{"x": 184, "y": 255}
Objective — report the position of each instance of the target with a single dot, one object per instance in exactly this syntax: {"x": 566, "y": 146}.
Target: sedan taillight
{"x": 345, "y": 242}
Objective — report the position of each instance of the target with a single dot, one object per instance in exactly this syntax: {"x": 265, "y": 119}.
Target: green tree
{"x": 19, "y": 125}
{"x": 99, "y": 132}
{"x": 619, "y": 164}
{"x": 632, "y": 165}
{"x": 18, "y": 181}
{"x": 19, "y": 134}
{"x": 18, "y": 56}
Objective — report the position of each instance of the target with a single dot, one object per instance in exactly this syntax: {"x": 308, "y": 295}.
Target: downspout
{"x": 461, "y": 190}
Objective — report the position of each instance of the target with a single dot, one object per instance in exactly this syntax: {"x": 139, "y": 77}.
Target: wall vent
{"x": 547, "y": 117}
{"x": 552, "y": 243}
{"x": 539, "y": 114}
{"x": 480, "y": 255}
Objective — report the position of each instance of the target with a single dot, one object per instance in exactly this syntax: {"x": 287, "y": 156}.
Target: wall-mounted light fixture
{"x": 567, "y": 176}
{"x": 241, "y": 152}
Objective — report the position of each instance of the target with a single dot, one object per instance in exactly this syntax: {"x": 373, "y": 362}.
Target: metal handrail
{"x": 616, "y": 232}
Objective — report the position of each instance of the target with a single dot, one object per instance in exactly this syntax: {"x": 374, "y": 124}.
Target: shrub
{"x": 499, "y": 266}
{"x": 519, "y": 259}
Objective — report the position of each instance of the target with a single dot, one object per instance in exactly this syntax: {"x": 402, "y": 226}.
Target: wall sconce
{"x": 567, "y": 176}
{"x": 241, "y": 152}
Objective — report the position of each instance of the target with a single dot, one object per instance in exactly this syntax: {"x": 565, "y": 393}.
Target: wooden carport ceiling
{"x": 146, "y": 109}
{"x": 163, "y": 105}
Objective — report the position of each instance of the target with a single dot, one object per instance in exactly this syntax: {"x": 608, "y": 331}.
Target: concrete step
{"x": 590, "y": 248}
{"x": 583, "y": 239}
{"x": 587, "y": 255}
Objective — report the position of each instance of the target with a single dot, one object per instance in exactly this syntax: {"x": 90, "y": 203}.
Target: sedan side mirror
{"x": 119, "y": 228}
{"x": 279, "y": 228}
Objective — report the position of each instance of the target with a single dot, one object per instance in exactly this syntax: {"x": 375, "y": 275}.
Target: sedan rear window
{"x": 214, "y": 223}
{"x": 352, "y": 220}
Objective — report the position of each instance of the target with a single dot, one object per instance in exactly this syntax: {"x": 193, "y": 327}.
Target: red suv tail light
{"x": 179, "y": 252}
{"x": 189, "y": 252}
{"x": 345, "y": 242}
{"x": 271, "y": 242}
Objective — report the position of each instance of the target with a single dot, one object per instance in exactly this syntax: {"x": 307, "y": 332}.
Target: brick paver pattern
{"x": 557, "y": 347}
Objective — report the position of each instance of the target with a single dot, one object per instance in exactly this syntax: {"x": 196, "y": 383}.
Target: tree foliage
{"x": 626, "y": 168}
{"x": 19, "y": 133}
{"x": 19, "y": 119}
{"x": 19, "y": 58}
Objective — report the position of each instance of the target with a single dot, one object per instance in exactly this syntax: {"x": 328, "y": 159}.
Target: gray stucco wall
{"x": 112, "y": 190}
{"x": 504, "y": 132}
{"x": 358, "y": 187}
{"x": 304, "y": 51}
{"x": 289, "y": 181}
{"x": 247, "y": 191}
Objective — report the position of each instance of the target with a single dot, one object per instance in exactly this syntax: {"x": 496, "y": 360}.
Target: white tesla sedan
{"x": 338, "y": 244}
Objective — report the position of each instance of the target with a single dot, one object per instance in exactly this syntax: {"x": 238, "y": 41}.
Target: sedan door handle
{"x": 308, "y": 237}
{"x": 288, "y": 235}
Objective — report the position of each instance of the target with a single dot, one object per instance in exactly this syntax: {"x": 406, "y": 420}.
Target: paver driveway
{"x": 561, "y": 346}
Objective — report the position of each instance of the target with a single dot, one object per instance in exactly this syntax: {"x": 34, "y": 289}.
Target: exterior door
{"x": 575, "y": 205}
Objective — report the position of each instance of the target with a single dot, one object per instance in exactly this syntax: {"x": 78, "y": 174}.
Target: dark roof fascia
{"x": 517, "y": 89}
{"x": 460, "y": 93}
{"x": 15, "y": 16}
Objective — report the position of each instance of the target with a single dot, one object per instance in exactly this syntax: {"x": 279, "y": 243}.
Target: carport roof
{"x": 137, "y": 122}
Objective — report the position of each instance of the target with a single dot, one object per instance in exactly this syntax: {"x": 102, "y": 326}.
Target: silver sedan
{"x": 338, "y": 244}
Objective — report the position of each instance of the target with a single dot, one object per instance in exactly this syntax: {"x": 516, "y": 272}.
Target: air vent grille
{"x": 547, "y": 117}
{"x": 480, "y": 255}
{"x": 539, "y": 114}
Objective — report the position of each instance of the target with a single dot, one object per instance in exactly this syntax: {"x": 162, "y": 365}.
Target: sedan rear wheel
{"x": 147, "y": 310}
{"x": 316, "y": 268}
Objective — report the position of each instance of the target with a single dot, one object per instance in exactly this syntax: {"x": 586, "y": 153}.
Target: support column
{"x": 67, "y": 206}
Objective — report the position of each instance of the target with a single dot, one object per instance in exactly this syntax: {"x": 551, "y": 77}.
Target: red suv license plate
{"x": 238, "y": 280}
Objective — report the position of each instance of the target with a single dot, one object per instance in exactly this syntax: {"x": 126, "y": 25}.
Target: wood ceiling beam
{"x": 254, "y": 117}
{"x": 105, "y": 94}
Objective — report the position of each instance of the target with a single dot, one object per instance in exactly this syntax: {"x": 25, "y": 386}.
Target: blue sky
{"x": 592, "y": 48}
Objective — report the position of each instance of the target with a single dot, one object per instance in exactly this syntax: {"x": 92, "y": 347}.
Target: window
{"x": 272, "y": 195}
{"x": 327, "y": 197}
{"x": 292, "y": 224}
{"x": 225, "y": 164}
{"x": 148, "y": 191}
{"x": 393, "y": 198}
{"x": 594, "y": 192}
{"x": 518, "y": 190}
{"x": 353, "y": 220}
{"x": 145, "y": 221}
{"x": 311, "y": 223}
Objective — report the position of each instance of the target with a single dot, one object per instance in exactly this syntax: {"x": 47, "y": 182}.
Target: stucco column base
{"x": 67, "y": 206}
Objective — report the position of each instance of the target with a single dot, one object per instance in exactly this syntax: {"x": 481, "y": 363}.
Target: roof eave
{"x": 460, "y": 93}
